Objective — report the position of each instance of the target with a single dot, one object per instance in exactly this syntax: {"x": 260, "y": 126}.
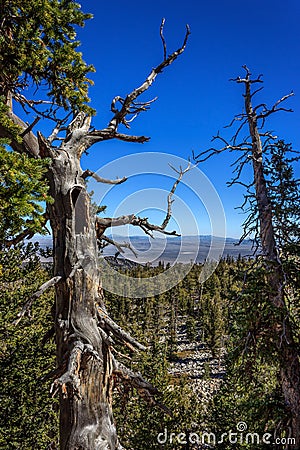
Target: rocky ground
{"x": 195, "y": 360}
{"x": 205, "y": 373}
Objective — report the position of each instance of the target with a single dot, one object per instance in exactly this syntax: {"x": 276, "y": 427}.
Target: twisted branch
{"x": 129, "y": 107}
{"x": 35, "y": 296}
{"x": 145, "y": 389}
{"x": 89, "y": 173}
{"x": 107, "y": 324}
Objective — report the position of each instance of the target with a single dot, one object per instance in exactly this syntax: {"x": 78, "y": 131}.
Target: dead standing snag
{"x": 260, "y": 223}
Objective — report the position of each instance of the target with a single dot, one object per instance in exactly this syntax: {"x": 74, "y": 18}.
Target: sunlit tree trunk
{"x": 84, "y": 375}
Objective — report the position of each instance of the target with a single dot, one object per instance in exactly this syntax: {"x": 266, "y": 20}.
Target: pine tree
{"x": 23, "y": 192}
{"x": 38, "y": 45}
{"x": 213, "y": 315}
{"x": 29, "y": 416}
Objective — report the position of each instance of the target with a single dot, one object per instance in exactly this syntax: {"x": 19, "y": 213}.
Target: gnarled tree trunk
{"x": 83, "y": 358}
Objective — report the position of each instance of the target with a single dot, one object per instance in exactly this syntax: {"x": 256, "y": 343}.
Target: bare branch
{"x": 19, "y": 238}
{"x": 27, "y": 233}
{"x": 135, "y": 379}
{"x": 207, "y": 154}
{"x": 266, "y": 112}
{"x": 49, "y": 113}
{"x": 30, "y": 127}
{"x": 22, "y": 99}
{"x": 103, "y": 223}
{"x": 247, "y": 80}
{"x": 237, "y": 181}
{"x": 256, "y": 91}
{"x": 145, "y": 389}
{"x": 238, "y": 170}
{"x": 142, "y": 222}
{"x": 36, "y": 295}
{"x": 119, "y": 246}
{"x": 238, "y": 117}
{"x": 69, "y": 382}
{"x": 261, "y": 105}
{"x": 45, "y": 147}
{"x": 268, "y": 137}
{"x": 58, "y": 128}
{"x": 68, "y": 372}
{"x": 161, "y": 30}
{"x": 107, "y": 339}
{"x": 181, "y": 172}
{"x": 29, "y": 144}
{"x": 128, "y": 105}
{"x": 120, "y": 354}
{"x": 88, "y": 173}
{"x": 235, "y": 136}
{"x": 128, "y": 138}
{"x": 106, "y": 323}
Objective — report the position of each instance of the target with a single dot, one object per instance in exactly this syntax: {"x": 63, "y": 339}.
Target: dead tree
{"x": 260, "y": 224}
{"x": 85, "y": 334}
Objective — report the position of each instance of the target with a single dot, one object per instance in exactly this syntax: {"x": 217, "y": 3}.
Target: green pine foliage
{"x": 28, "y": 413}
{"x": 213, "y": 315}
{"x": 140, "y": 425}
{"x": 155, "y": 321}
{"x": 38, "y": 44}
{"x": 251, "y": 390}
{"x": 23, "y": 187}
{"x": 23, "y": 193}
{"x": 7, "y": 123}
{"x": 284, "y": 193}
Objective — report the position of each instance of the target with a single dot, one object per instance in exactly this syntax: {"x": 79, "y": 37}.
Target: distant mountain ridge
{"x": 183, "y": 249}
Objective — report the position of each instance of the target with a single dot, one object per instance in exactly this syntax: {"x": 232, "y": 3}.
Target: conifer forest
{"x": 199, "y": 354}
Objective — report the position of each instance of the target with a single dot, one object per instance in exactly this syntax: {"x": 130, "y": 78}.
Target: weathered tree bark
{"x": 83, "y": 330}
{"x": 85, "y": 365}
{"x": 287, "y": 348}
{"x": 83, "y": 358}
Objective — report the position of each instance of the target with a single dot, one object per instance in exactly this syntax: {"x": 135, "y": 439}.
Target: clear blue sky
{"x": 195, "y": 97}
